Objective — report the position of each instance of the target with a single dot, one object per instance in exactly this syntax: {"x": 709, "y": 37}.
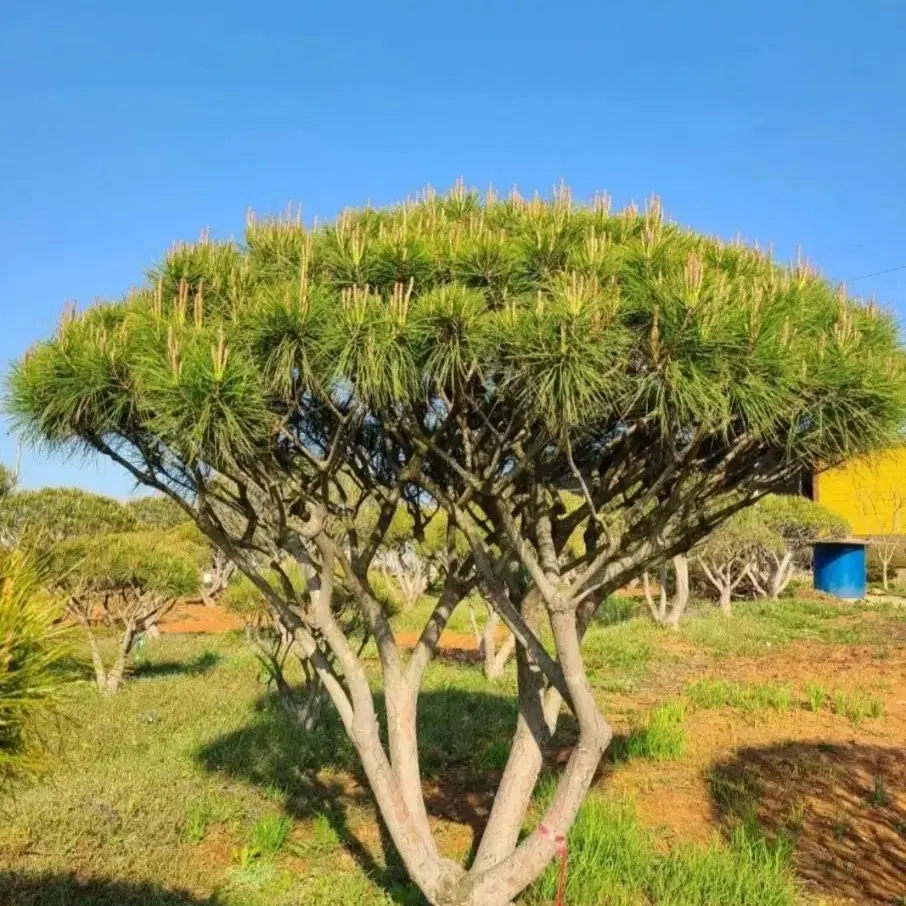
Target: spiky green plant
{"x": 33, "y": 653}
{"x": 478, "y": 355}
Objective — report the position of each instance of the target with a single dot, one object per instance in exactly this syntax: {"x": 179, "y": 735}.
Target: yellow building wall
{"x": 870, "y": 493}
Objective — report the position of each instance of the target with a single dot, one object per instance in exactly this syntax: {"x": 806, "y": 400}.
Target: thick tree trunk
{"x": 681, "y": 595}
{"x": 100, "y": 672}
{"x": 539, "y": 710}
{"x": 118, "y": 670}
{"x": 500, "y": 884}
{"x": 726, "y": 596}
{"x": 669, "y": 611}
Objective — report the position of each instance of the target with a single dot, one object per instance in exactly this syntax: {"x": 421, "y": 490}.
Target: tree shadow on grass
{"x": 842, "y": 806}
{"x": 462, "y": 738}
{"x": 25, "y": 889}
{"x": 197, "y": 666}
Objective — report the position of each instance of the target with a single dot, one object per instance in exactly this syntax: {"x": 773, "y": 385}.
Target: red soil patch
{"x": 449, "y": 641}
{"x": 833, "y": 666}
{"x": 187, "y": 617}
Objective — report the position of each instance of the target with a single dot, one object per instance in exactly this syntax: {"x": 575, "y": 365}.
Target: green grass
{"x": 203, "y": 812}
{"x": 145, "y": 781}
{"x": 816, "y": 695}
{"x": 658, "y": 736}
{"x": 267, "y": 836}
{"x": 857, "y": 705}
{"x": 759, "y": 628}
{"x": 619, "y": 657}
{"x": 709, "y": 693}
{"x": 193, "y": 780}
{"x": 879, "y": 796}
{"x": 614, "y": 860}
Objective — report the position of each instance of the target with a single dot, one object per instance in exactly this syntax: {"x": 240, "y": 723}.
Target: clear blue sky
{"x": 125, "y": 126}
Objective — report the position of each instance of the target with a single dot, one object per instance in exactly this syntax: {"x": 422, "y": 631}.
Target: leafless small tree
{"x": 892, "y": 541}
{"x": 403, "y": 567}
{"x": 728, "y": 557}
{"x": 216, "y": 577}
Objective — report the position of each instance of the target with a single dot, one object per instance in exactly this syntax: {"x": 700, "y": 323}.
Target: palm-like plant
{"x": 479, "y": 356}
{"x": 33, "y": 653}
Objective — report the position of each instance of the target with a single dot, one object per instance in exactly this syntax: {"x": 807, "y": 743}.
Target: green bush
{"x": 158, "y": 513}
{"x": 50, "y": 515}
{"x": 151, "y": 562}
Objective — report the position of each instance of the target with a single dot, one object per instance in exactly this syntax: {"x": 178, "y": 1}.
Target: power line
{"x": 890, "y": 270}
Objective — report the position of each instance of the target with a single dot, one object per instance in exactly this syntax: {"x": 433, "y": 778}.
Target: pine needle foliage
{"x": 580, "y": 317}
{"x": 479, "y": 357}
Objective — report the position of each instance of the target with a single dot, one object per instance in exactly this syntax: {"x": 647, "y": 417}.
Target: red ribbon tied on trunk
{"x": 559, "y": 841}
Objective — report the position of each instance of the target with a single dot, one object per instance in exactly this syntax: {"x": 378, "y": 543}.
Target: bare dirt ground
{"x": 837, "y": 790}
{"x": 192, "y": 617}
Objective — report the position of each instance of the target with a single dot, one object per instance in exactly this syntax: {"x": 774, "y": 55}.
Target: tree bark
{"x": 539, "y": 709}
{"x": 500, "y": 884}
{"x": 117, "y": 671}
{"x": 100, "y": 673}
{"x": 726, "y": 595}
{"x": 681, "y": 595}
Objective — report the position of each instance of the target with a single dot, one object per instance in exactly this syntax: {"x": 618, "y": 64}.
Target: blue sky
{"x": 127, "y": 126}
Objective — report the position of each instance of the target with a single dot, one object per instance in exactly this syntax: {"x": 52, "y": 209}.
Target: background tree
{"x": 481, "y": 355}
{"x": 163, "y": 514}
{"x": 45, "y": 517}
{"x": 34, "y": 650}
{"x": 125, "y": 581}
{"x": 796, "y": 522}
{"x": 729, "y": 556}
{"x": 668, "y": 609}
{"x": 403, "y": 560}
{"x": 891, "y": 543}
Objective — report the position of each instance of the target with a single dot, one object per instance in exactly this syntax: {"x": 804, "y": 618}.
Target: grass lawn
{"x": 758, "y": 762}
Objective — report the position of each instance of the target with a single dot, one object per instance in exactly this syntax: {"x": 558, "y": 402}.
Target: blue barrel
{"x": 840, "y": 568}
